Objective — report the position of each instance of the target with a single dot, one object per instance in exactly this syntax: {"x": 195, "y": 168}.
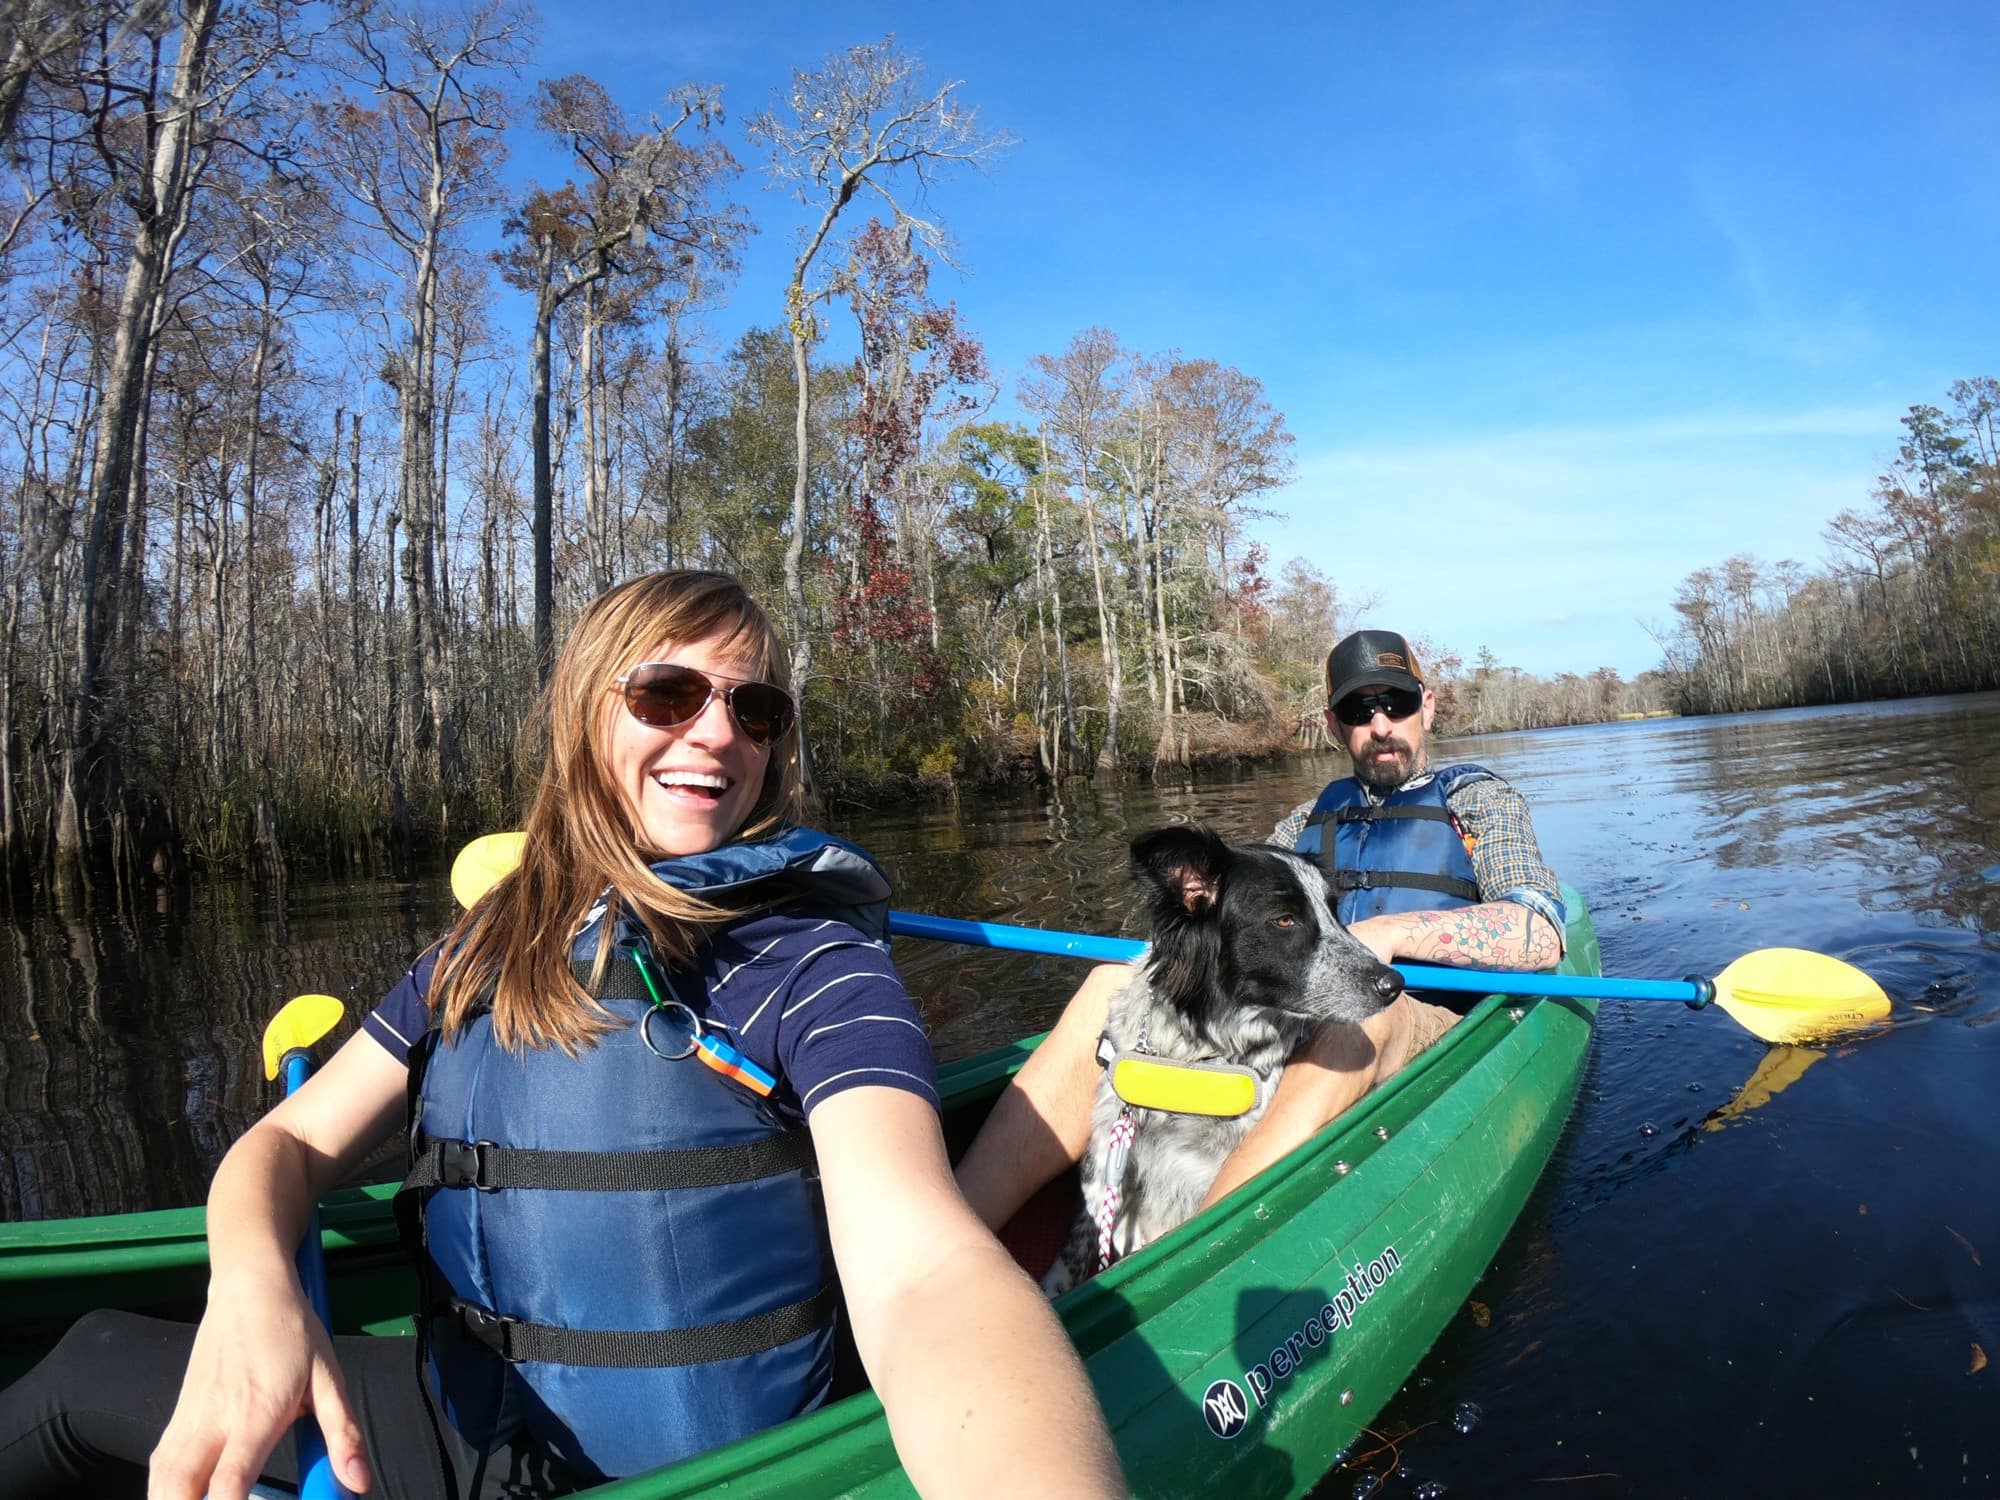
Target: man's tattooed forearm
{"x": 1498, "y": 932}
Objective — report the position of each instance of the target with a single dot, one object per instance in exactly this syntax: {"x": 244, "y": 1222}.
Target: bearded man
{"x": 1435, "y": 864}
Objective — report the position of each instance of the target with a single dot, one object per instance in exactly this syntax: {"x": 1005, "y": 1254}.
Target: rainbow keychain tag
{"x": 730, "y": 1063}
{"x": 711, "y": 1049}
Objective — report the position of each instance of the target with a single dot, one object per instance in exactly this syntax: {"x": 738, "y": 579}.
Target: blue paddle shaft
{"x": 318, "y": 1482}
{"x": 1017, "y": 939}
{"x": 1416, "y": 976}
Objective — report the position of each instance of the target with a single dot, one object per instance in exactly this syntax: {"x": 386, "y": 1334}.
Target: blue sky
{"x": 1561, "y": 301}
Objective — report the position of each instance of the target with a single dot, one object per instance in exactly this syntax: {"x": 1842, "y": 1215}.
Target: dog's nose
{"x": 1388, "y": 984}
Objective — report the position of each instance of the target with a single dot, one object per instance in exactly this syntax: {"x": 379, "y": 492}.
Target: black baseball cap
{"x": 1368, "y": 657}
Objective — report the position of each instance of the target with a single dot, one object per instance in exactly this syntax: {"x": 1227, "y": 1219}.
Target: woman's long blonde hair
{"x": 513, "y": 946}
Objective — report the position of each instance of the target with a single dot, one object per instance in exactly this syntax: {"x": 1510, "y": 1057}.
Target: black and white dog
{"x": 1246, "y": 957}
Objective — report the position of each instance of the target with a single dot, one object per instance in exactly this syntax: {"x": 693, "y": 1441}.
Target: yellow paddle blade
{"x": 1792, "y": 995}
{"x": 302, "y": 1022}
{"x": 481, "y": 863}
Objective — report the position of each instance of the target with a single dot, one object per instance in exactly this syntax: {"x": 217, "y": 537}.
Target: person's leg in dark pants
{"x": 84, "y": 1421}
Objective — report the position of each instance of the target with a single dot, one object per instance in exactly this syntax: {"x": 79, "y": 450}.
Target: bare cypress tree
{"x": 1076, "y": 394}
{"x": 644, "y": 210}
{"x": 863, "y": 120}
{"x": 416, "y": 164}
{"x": 177, "y": 120}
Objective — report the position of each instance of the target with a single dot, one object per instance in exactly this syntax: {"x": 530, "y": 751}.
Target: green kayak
{"x": 1241, "y": 1354}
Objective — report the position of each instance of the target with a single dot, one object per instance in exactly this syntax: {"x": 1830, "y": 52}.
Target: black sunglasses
{"x": 1357, "y": 709}
{"x": 663, "y": 694}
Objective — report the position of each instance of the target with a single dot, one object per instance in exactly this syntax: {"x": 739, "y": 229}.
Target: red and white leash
{"x": 1115, "y": 1152}
{"x": 1117, "y": 1149}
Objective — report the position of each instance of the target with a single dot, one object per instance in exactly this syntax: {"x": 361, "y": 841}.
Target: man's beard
{"x": 1387, "y": 773}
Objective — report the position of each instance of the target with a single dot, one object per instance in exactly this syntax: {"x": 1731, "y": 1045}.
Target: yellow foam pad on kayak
{"x": 481, "y": 864}
{"x": 1225, "y": 1090}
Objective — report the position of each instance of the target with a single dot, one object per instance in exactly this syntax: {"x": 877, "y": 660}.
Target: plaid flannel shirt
{"x": 1506, "y": 860}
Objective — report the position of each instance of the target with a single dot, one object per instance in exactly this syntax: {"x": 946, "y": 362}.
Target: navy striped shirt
{"x": 810, "y": 1000}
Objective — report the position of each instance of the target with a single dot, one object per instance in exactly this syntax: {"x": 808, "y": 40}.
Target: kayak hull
{"x": 1247, "y": 1350}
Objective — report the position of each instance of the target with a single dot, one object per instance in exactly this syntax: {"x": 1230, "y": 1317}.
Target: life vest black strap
{"x": 1386, "y": 814}
{"x": 1380, "y": 815}
{"x": 482, "y": 1164}
{"x": 520, "y": 1342}
{"x": 1368, "y": 880}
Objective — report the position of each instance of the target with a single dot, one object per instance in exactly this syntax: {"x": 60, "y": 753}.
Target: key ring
{"x": 659, "y": 1007}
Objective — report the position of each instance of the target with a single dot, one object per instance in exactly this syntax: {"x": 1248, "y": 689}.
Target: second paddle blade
{"x": 1794, "y": 995}
{"x": 302, "y": 1022}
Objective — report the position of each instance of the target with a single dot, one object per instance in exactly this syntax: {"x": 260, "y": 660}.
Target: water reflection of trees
{"x": 130, "y": 1049}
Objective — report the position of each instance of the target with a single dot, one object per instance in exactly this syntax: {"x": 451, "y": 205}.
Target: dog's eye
{"x": 1286, "y": 920}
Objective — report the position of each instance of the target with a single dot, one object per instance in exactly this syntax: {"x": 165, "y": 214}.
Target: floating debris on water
{"x": 1649, "y": 1128}
{"x": 1694, "y": 1088}
{"x": 1465, "y": 1416}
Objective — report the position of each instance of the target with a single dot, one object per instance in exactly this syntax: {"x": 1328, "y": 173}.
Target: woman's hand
{"x": 261, "y": 1356}
{"x": 260, "y": 1359}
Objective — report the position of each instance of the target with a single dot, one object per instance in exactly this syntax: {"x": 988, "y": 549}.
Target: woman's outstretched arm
{"x": 984, "y": 1393}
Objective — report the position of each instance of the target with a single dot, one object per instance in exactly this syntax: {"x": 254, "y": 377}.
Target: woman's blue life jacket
{"x": 1405, "y": 854}
{"x": 624, "y": 1253}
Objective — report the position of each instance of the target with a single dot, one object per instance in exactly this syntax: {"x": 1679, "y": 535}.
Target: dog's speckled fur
{"x": 1246, "y": 957}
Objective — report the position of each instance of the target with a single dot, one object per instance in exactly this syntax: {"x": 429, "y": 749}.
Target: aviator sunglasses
{"x": 662, "y": 694}
{"x": 1357, "y": 709}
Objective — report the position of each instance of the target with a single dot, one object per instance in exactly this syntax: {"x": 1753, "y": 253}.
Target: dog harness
{"x": 1144, "y": 1080}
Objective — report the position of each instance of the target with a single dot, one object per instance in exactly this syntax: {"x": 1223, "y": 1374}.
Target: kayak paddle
{"x": 288, "y": 1042}
{"x": 1776, "y": 994}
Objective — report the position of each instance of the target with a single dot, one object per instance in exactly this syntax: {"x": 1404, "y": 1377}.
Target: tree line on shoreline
{"x": 1907, "y": 601}
{"x": 318, "y": 426}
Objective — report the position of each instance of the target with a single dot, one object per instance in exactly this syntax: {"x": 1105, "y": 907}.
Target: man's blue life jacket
{"x": 625, "y": 1252}
{"x": 1405, "y": 854}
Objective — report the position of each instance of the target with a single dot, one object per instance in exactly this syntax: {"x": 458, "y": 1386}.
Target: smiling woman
{"x": 661, "y": 1083}
{"x": 691, "y": 748}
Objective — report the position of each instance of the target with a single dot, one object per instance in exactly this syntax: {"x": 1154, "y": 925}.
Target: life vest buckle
{"x": 463, "y": 1164}
{"x": 494, "y": 1331}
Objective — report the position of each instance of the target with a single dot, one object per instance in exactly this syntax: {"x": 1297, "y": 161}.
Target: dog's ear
{"x": 1180, "y": 869}
{"x": 1183, "y": 866}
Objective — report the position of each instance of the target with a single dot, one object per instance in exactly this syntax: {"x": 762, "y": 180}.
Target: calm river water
{"x": 1749, "y": 1271}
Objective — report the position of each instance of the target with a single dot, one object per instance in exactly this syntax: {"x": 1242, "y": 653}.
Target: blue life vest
{"x": 625, "y": 1252}
{"x": 1403, "y": 854}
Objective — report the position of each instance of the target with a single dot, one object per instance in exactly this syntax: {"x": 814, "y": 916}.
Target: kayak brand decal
{"x": 1223, "y": 1405}
{"x": 1225, "y": 1409}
